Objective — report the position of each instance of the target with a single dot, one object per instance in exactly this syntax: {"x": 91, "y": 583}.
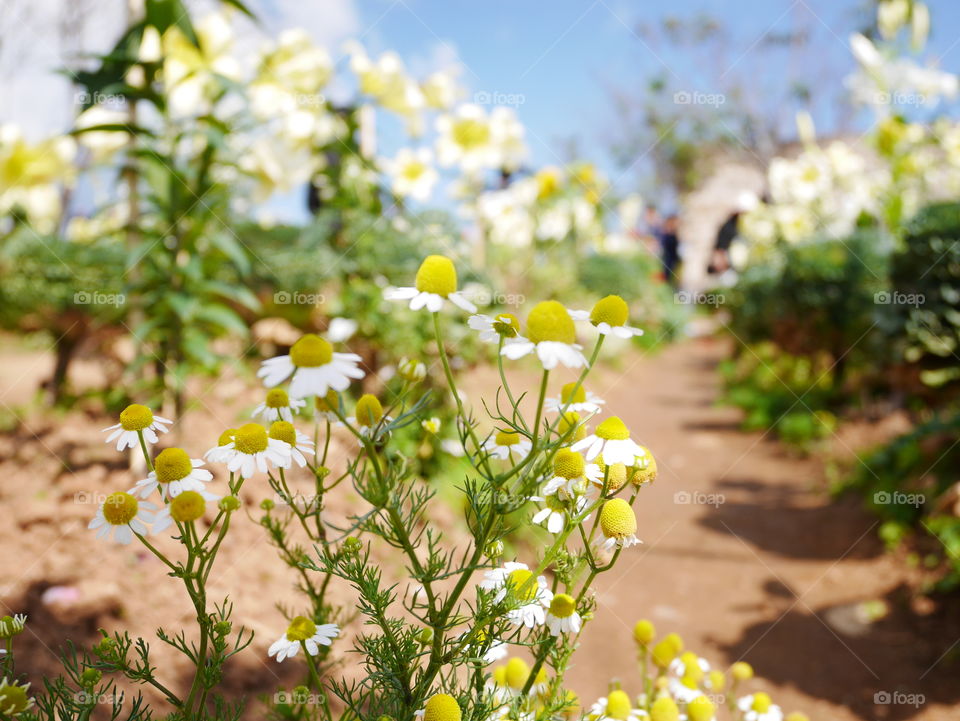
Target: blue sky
{"x": 563, "y": 58}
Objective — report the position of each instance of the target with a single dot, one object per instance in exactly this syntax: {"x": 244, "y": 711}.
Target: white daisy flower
{"x": 315, "y": 368}
{"x": 303, "y": 631}
{"x": 551, "y": 335}
{"x": 612, "y": 439}
{"x": 136, "y": 419}
{"x": 435, "y": 283}
{"x": 173, "y": 472}
{"x": 618, "y": 523}
{"x": 490, "y": 330}
{"x": 507, "y": 682}
{"x": 554, "y": 513}
{"x": 582, "y": 401}
{"x": 278, "y": 406}
{"x": 516, "y": 580}
{"x": 412, "y": 174}
{"x": 759, "y": 707}
{"x": 184, "y": 508}
{"x": 251, "y": 450}
{"x": 120, "y": 516}
{"x": 562, "y": 617}
{"x": 616, "y": 706}
{"x": 507, "y": 444}
{"x": 609, "y": 316}
{"x": 299, "y": 443}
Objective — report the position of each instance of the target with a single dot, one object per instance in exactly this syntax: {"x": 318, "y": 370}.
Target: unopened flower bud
{"x": 411, "y": 370}
{"x": 229, "y": 504}
{"x": 352, "y": 545}
{"x": 90, "y": 677}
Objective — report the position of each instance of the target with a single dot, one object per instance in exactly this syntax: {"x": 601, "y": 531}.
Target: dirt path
{"x": 746, "y": 557}
{"x": 743, "y": 553}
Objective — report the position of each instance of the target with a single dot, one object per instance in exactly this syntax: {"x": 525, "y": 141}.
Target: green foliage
{"x": 925, "y": 275}
{"x": 910, "y": 484}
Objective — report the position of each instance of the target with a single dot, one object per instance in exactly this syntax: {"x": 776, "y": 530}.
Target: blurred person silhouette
{"x": 670, "y": 249}
{"x": 650, "y": 228}
{"x": 728, "y": 243}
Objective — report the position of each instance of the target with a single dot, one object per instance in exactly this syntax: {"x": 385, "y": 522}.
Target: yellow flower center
{"x": 250, "y": 438}
{"x": 617, "y": 519}
{"x": 437, "y": 275}
{"x": 283, "y": 431}
{"x": 568, "y": 464}
{"x": 517, "y": 673}
{"x": 613, "y": 429}
{"x": 718, "y": 681}
{"x": 469, "y": 133}
{"x": 369, "y": 411}
{"x": 188, "y": 506}
{"x": 663, "y": 653}
{"x": 507, "y": 325}
{"x": 691, "y": 667}
{"x": 761, "y": 702}
{"x": 120, "y": 508}
{"x": 500, "y": 675}
{"x": 277, "y": 398}
{"x": 506, "y": 438}
{"x": 413, "y": 170}
{"x": 618, "y": 705}
{"x": 518, "y": 584}
{"x": 644, "y": 632}
{"x": 311, "y": 351}
{"x": 701, "y": 709}
{"x": 227, "y": 437}
{"x": 172, "y": 464}
{"x": 742, "y": 671}
{"x": 616, "y": 476}
{"x": 611, "y": 310}
{"x": 301, "y": 628}
{"x": 136, "y": 417}
{"x": 563, "y": 605}
{"x": 550, "y": 321}
{"x": 13, "y": 699}
{"x": 664, "y": 709}
{"x": 569, "y": 420}
{"x": 644, "y": 468}
{"x": 569, "y": 395}
{"x": 675, "y": 642}
{"x": 441, "y": 707}
{"x": 548, "y": 182}
{"x": 330, "y": 403}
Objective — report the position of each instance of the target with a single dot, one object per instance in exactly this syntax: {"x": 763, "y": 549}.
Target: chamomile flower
{"x": 440, "y": 707}
{"x": 551, "y": 334}
{"x": 299, "y": 442}
{"x": 688, "y": 671}
{"x": 609, "y": 316}
{"x": 507, "y": 444}
{"x": 11, "y": 626}
{"x": 251, "y": 450}
{"x": 368, "y": 415}
{"x": 644, "y": 468}
{"x": 491, "y": 648}
{"x": 435, "y": 283}
{"x": 328, "y": 406}
{"x": 759, "y": 707}
{"x": 614, "y": 475}
{"x": 220, "y": 452}
{"x": 517, "y": 581}
{"x": 185, "y": 508}
{"x": 616, "y": 706}
{"x": 431, "y": 425}
{"x": 491, "y": 330}
{"x": 575, "y": 398}
{"x": 120, "y": 516}
{"x": 553, "y": 515}
{"x": 13, "y": 698}
{"x": 314, "y": 366}
{"x": 571, "y": 475}
{"x": 303, "y": 631}
{"x": 618, "y": 523}
{"x": 665, "y": 709}
{"x": 510, "y": 678}
{"x": 134, "y": 420}
{"x": 701, "y": 708}
{"x": 173, "y": 472}
{"x": 612, "y": 439}
{"x": 278, "y": 406}
{"x": 562, "y": 616}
